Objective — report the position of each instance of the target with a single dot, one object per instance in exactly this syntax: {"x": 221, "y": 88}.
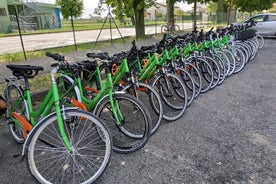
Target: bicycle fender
{"x": 106, "y": 96}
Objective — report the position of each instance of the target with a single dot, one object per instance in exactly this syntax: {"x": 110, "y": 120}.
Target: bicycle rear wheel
{"x": 135, "y": 128}
{"x": 173, "y": 94}
{"x": 150, "y": 98}
{"x": 205, "y": 70}
{"x": 48, "y": 159}
{"x": 13, "y": 93}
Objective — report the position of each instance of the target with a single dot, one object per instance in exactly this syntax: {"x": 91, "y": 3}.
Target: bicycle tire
{"x": 134, "y": 131}
{"x": 12, "y": 94}
{"x": 173, "y": 94}
{"x": 189, "y": 84}
{"x": 260, "y": 40}
{"x": 239, "y": 59}
{"x": 221, "y": 64}
{"x": 205, "y": 70}
{"x": 231, "y": 59}
{"x": 104, "y": 69}
{"x": 216, "y": 70}
{"x": 66, "y": 88}
{"x": 48, "y": 159}
{"x": 175, "y": 29}
{"x": 164, "y": 29}
{"x": 194, "y": 72}
{"x": 150, "y": 98}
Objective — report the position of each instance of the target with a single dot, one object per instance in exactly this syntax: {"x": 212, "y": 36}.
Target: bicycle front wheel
{"x": 173, "y": 94}
{"x": 151, "y": 99}
{"x": 164, "y": 29}
{"x": 134, "y": 129}
{"x": 48, "y": 159}
{"x": 15, "y": 102}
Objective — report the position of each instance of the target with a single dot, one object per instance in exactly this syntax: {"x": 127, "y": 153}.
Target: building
{"x": 157, "y": 8}
{"x": 31, "y": 15}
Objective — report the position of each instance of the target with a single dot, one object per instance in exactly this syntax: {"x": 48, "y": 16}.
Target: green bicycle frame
{"x": 50, "y": 100}
{"x": 106, "y": 88}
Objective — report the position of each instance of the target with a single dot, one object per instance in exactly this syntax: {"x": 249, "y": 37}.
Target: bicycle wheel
{"x": 135, "y": 128}
{"x": 197, "y": 78}
{"x": 66, "y": 88}
{"x": 260, "y": 40}
{"x": 216, "y": 71}
{"x": 239, "y": 59}
{"x": 48, "y": 159}
{"x": 231, "y": 58}
{"x": 205, "y": 71}
{"x": 175, "y": 29}
{"x": 189, "y": 83}
{"x": 150, "y": 98}
{"x": 173, "y": 94}
{"x": 164, "y": 29}
{"x": 13, "y": 94}
{"x": 104, "y": 69}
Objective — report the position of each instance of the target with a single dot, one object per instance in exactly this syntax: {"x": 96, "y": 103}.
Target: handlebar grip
{"x": 56, "y": 57}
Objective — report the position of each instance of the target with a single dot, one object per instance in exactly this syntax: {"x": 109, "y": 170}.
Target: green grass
{"x": 15, "y": 57}
{"x": 79, "y": 25}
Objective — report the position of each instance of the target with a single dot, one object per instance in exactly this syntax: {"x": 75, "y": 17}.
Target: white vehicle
{"x": 265, "y": 24}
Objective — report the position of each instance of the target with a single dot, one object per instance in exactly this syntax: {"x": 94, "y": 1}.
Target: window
{"x": 272, "y": 18}
{"x": 3, "y": 12}
{"x": 259, "y": 18}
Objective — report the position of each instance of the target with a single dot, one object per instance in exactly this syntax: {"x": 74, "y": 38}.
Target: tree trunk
{"x": 170, "y": 12}
{"x": 194, "y": 15}
{"x": 139, "y": 23}
{"x": 139, "y": 19}
{"x": 132, "y": 20}
{"x": 235, "y": 15}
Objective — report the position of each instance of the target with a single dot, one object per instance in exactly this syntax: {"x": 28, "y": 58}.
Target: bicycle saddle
{"x": 88, "y": 64}
{"x": 26, "y": 71}
{"x": 102, "y": 55}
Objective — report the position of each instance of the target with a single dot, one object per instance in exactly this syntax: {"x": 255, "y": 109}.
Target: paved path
{"x": 40, "y": 41}
{"x": 227, "y": 135}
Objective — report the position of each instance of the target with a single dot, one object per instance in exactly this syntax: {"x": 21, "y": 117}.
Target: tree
{"x": 133, "y": 9}
{"x": 70, "y": 8}
{"x": 253, "y": 5}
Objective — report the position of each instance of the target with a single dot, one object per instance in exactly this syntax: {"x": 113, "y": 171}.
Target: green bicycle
{"x": 125, "y": 116}
{"x": 68, "y": 145}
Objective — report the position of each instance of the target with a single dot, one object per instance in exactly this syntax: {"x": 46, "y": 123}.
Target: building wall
{"x": 48, "y": 18}
{"x": 4, "y": 17}
{"x": 51, "y": 19}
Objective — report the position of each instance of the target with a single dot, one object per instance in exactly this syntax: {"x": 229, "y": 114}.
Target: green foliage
{"x": 124, "y": 9}
{"x": 253, "y": 5}
{"x": 70, "y": 8}
{"x": 212, "y": 6}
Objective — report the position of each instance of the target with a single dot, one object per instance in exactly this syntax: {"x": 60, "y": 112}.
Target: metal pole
{"x": 73, "y": 29}
{"x": 20, "y": 34}
{"x": 182, "y": 19}
{"x": 110, "y": 27}
{"x": 155, "y": 21}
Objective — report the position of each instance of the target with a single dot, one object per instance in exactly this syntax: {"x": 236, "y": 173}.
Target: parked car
{"x": 265, "y": 24}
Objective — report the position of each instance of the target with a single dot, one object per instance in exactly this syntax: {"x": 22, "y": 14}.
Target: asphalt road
{"x": 226, "y": 136}
{"x": 12, "y": 44}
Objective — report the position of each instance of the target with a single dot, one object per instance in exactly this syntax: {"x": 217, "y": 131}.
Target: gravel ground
{"x": 226, "y": 136}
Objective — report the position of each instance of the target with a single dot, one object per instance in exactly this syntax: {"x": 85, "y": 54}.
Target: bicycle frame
{"x": 51, "y": 100}
{"x": 106, "y": 89}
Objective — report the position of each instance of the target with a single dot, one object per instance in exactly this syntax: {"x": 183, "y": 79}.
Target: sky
{"x": 89, "y": 5}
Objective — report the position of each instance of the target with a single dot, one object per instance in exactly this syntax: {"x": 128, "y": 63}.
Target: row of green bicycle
{"x": 114, "y": 103}
{"x": 64, "y": 139}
